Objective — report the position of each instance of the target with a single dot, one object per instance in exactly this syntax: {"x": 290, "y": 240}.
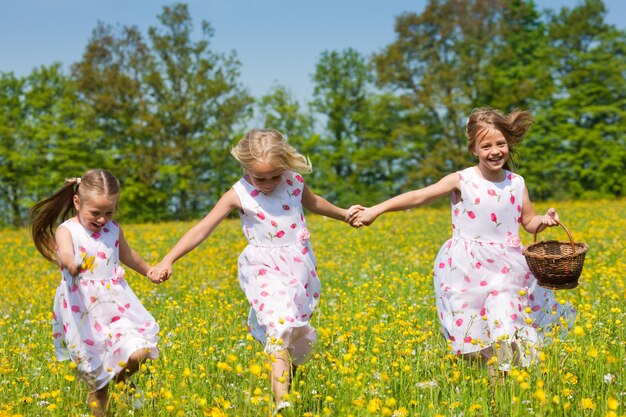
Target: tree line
{"x": 162, "y": 110}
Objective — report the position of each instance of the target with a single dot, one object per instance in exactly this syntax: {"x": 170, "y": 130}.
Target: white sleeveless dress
{"x": 98, "y": 322}
{"x": 277, "y": 270}
{"x": 484, "y": 290}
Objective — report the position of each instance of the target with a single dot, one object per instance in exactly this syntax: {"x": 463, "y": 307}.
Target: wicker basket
{"x": 556, "y": 265}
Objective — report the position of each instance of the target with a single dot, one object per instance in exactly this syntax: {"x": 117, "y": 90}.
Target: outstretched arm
{"x": 131, "y": 258}
{"x": 319, "y": 205}
{"x": 531, "y": 221}
{"x": 410, "y": 199}
{"x": 198, "y": 233}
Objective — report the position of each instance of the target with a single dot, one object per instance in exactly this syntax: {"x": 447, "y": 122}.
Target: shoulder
{"x": 513, "y": 177}
{"x": 67, "y": 226}
{"x": 294, "y": 176}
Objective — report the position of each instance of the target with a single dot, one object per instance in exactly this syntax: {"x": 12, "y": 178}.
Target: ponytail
{"x": 43, "y": 217}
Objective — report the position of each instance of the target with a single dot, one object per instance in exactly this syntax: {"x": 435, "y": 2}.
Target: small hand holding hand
{"x": 550, "y": 218}
{"x": 160, "y": 273}
{"x": 364, "y": 217}
{"x": 352, "y": 213}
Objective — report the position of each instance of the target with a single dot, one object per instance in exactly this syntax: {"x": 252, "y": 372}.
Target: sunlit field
{"x": 379, "y": 353}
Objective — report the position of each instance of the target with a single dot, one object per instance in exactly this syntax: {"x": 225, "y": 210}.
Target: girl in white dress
{"x": 277, "y": 270}
{"x": 488, "y": 302}
{"x": 98, "y": 322}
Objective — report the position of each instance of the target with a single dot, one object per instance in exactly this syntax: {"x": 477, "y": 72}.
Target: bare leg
{"x": 132, "y": 366}
{"x": 281, "y": 374}
{"x": 98, "y": 401}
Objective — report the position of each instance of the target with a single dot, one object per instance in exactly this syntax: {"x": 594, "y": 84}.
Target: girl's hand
{"x": 352, "y": 213}
{"x": 162, "y": 272}
{"x": 364, "y": 217}
{"x": 73, "y": 268}
{"x": 156, "y": 275}
{"x": 550, "y": 218}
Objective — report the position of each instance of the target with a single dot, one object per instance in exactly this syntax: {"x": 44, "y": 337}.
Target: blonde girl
{"x": 277, "y": 269}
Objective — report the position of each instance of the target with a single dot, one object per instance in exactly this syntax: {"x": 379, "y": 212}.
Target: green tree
{"x": 167, "y": 110}
{"x": 43, "y": 138}
{"x": 342, "y": 84}
{"x": 199, "y": 103}
{"x": 455, "y": 56}
{"x": 578, "y": 148}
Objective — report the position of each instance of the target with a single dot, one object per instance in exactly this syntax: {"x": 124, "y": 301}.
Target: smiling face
{"x": 95, "y": 210}
{"x": 265, "y": 176}
{"x": 492, "y": 151}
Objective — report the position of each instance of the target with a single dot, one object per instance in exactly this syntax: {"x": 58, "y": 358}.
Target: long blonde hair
{"x": 269, "y": 146}
{"x": 43, "y": 216}
{"x": 513, "y": 127}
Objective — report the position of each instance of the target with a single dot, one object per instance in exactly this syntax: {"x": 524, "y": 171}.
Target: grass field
{"x": 379, "y": 353}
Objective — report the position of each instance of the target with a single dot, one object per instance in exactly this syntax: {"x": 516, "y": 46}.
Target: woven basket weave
{"x": 557, "y": 265}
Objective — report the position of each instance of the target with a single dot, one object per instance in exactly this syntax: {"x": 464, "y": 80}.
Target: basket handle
{"x": 569, "y": 235}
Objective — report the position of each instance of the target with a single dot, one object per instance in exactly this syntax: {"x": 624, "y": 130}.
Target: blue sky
{"x": 277, "y": 41}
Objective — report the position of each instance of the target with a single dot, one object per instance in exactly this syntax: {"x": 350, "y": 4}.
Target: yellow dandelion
{"x": 612, "y": 403}
{"x": 587, "y": 404}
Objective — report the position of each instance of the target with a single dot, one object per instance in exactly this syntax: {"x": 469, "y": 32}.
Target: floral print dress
{"x": 486, "y": 295}
{"x": 98, "y": 322}
{"x": 277, "y": 269}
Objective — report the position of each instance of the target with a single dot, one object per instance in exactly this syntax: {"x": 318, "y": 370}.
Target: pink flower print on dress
{"x": 289, "y": 182}
{"x": 293, "y": 225}
{"x": 305, "y": 235}
{"x": 459, "y": 322}
{"x": 273, "y": 223}
{"x": 105, "y": 230}
{"x": 280, "y": 234}
{"x": 254, "y": 192}
{"x": 456, "y": 212}
{"x": 304, "y": 250}
{"x": 260, "y": 215}
{"x": 494, "y": 218}
{"x": 491, "y": 192}
{"x": 477, "y": 200}
{"x": 75, "y": 309}
{"x": 471, "y": 215}
{"x": 512, "y": 199}
{"x": 513, "y": 241}
{"x": 299, "y": 179}
{"x": 505, "y": 270}
{"x": 468, "y": 339}
{"x": 89, "y": 342}
{"x": 97, "y": 326}
{"x": 286, "y": 207}
{"x": 262, "y": 271}
{"x": 101, "y": 255}
{"x": 297, "y": 192}
{"x": 96, "y": 235}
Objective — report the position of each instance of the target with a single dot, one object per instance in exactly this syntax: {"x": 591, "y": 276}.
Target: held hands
{"x": 160, "y": 273}
{"x": 352, "y": 213}
{"x": 359, "y": 216}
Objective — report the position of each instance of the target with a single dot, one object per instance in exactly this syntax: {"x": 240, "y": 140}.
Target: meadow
{"x": 379, "y": 353}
